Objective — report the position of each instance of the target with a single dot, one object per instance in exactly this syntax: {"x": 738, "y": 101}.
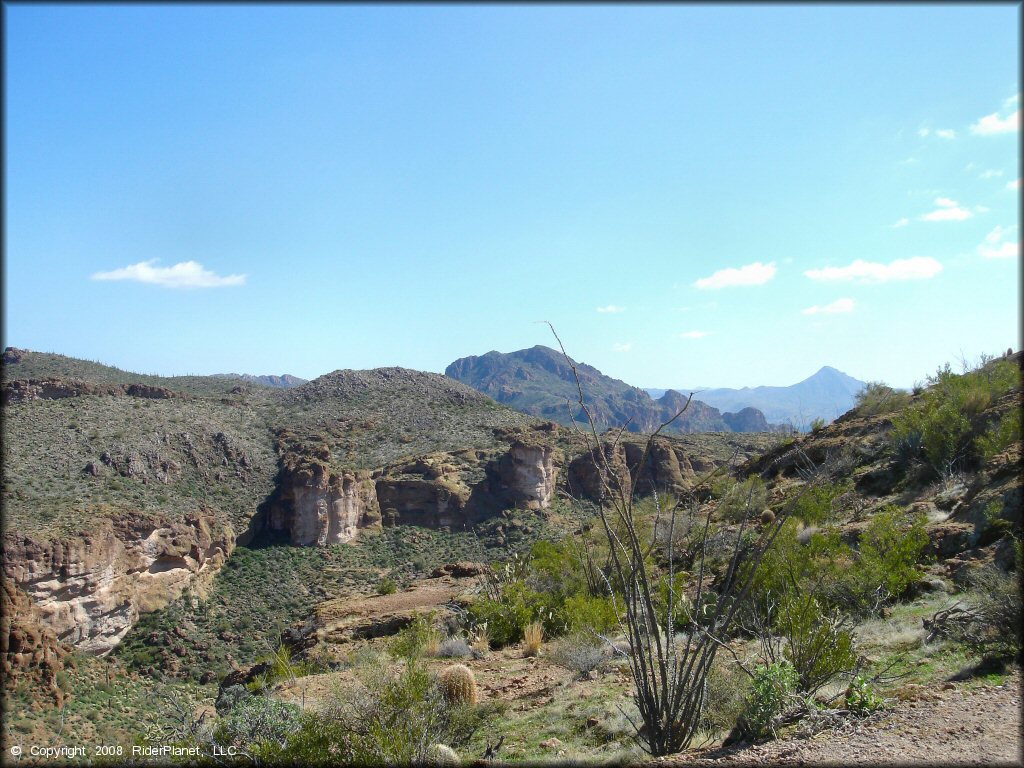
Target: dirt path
{"x": 981, "y": 726}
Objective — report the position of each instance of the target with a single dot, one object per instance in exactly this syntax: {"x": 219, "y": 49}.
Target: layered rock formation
{"x": 666, "y": 468}
{"x": 318, "y": 508}
{"x": 28, "y": 647}
{"x": 90, "y": 589}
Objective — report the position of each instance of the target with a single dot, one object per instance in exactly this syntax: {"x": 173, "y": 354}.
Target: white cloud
{"x": 186, "y": 274}
{"x": 1013, "y": 184}
{"x": 990, "y": 174}
{"x": 948, "y": 210}
{"x": 901, "y": 223}
{"x": 837, "y": 307}
{"x": 694, "y": 334}
{"x": 922, "y": 132}
{"x": 622, "y": 347}
{"x": 611, "y": 308}
{"x": 915, "y": 268}
{"x": 752, "y": 274}
{"x": 946, "y": 133}
{"x": 1003, "y": 121}
{"x": 998, "y": 245}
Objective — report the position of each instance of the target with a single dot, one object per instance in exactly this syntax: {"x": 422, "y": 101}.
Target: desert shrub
{"x": 387, "y": 586}
{"x": 420, "y": 637}
{"x": 505, "y": 617}
{"x": 230, "y": 696}
{"x": 888, "y": 552}
{"x": 815, "y": 504}
{"x": 941, "y": 427}
{"x": 458, "y": 684}
{"x": 990, "y": 619}
{"x": 388, "y": 718}
{"x": 861, "y": 697}
{"x": 257, "y": 723}
{"x": 818, "y": 424}
{"x": 744, "y": 499}
{"x": 816, "y": 564}
{"x": 454, "y": 647}
{"x": 726, "y": 696}
{"x": 582, "y": 611}
{"x": 578, "y": 652}
{"x": 1001, "y": 435}
{"x": 818, "y": 642}
{"x": 533, "y": 638}
{"x": 771, "y": 692}
{"x": 876, "y": 398}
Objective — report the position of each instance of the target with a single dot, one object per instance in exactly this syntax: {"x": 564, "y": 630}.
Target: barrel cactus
{"x": 458, "y": 685}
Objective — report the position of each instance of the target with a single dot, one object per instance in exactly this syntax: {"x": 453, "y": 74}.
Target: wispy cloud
{"x": 915, "y": 268}
{"x": 611, "y": 309}
{"x": 942, "y": 133}
{"x": 186, "y": 274}
{"x": 999, "y": 245}
{"x": 947, "y": 210}
{"x": 625, "y": 347}
{"x": 694, "y": 334}
{"x": 990, "y": 174}
{"x": 837, "y": 307}
{"x": 1013, "y": 184}
{"x": 752, "y": 274}
{"x": 901, "y": 223}
{"x": 1003, "y": 121}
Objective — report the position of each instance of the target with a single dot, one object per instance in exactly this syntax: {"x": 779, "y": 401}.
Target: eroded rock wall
{"x": 90, "y": 589}
{"x": 318, "y": 508}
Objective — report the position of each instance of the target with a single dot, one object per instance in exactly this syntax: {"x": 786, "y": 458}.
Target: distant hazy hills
{"x": 539, "y": 382}
{"x": 284, "y": 381}
{"x": 827, "y": 394}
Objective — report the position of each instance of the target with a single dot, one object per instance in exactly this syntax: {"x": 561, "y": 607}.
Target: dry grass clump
{"x": 533, "y": 638}
{"x": 481, "y": 640}
{"x": 457, "y": 684}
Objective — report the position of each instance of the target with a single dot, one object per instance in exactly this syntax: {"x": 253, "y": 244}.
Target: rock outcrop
{"x": 91, "y": 588}
{"x": 666, "y": 468}
{"x": 319, "y": 508}
{"x": 52, "y": 388}
{"x": 525, "y": 476}
{"x": 28, "y": 648}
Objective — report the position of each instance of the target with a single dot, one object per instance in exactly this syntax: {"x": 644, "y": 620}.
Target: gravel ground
{"x": 945, "y": 725}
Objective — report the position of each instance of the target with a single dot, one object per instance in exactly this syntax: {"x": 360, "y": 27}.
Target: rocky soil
{"x": 948, "y": 724}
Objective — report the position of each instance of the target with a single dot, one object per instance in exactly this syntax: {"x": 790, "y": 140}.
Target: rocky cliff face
{"x": 666, "y": 468}
{"x": 91, "y": 588}
{"x": 525, "y": 476}
{"x": 28, "y": 648}
{"x": 318, "y": 508}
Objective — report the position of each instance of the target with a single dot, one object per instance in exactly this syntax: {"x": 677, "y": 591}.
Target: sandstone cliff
{"x": 91, "y": 588}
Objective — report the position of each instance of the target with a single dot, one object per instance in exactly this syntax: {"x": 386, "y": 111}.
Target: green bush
{"x": 743, "y": 500}
{"x": 415, "y": 639}
{"x": 387, "y": 586}
{"x": 256, "y": 723}
{"x": 888, "y": 552}
{"x": 861, "y": 697}
{"x": 581, "y": 612}
{"x": 1001, "y": 435}
{"x": 876, "y": 398}
{"x": 941, "y": 428}
{"x": 819, "y": 644}
{"x": 771, "y": 691}
{"x": 814, "y": 504}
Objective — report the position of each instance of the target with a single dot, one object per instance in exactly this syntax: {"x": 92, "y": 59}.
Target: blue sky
{"x": 693, "y": 195}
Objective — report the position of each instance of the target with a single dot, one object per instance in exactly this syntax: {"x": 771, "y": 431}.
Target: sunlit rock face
{"x": 319, "y": 508}
{"x": 90, "y": 589}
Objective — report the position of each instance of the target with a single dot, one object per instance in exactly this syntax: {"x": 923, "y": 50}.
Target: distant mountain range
{"x": 284, "y": 381}
{"x": 539, "y": 382}
{"x": 825, "y": 395}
